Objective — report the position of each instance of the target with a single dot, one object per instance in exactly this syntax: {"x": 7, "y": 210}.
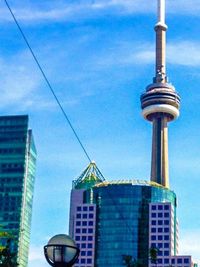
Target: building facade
{"x": 163, "y": 236}
{"x": 17, "y": 175}
{"x": 111, "y": 219}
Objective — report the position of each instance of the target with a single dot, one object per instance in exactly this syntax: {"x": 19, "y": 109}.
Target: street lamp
{"x": 61, "y": 251}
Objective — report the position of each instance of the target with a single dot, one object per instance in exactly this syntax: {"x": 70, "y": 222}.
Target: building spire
{"x": 160, "y": 28}
{"x": 160, "y": 104}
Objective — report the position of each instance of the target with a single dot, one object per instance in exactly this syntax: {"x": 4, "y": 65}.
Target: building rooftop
{"x": 89, "y": 177}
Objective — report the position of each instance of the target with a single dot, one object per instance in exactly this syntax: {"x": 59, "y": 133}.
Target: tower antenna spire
{"x": 160, "y": 104}
{"x": 160, "y": 28}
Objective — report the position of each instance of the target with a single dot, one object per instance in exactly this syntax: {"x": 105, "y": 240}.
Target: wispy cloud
{"x": 18, "y": 82}
{"x": 189, "y": 244}
{"x": 76, "y": 10}
{"x": 185, "y": 53}
{"x": 36, "y": 256}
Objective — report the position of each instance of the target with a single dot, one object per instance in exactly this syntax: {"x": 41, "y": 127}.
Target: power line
{"x": 48, "y": 83}
{"x": 61, "y": 108}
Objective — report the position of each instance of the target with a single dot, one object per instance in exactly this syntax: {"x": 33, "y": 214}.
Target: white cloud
{"x": 18, "y": 82}
{"x": 184, "y": 53}
{"x": 189, "y": 244}
{"x": 62, "y": 11}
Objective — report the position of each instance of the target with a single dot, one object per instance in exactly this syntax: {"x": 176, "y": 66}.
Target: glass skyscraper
{"x": 17, "y": 175}
{"x": 111, "y": 219}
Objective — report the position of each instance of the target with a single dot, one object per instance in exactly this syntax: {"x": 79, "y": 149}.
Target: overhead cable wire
{"x": 48, "y": 83}
{"x": 61, "y": 107}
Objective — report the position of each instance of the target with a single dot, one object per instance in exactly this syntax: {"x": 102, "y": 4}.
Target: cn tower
{"x": 160, "y": 104}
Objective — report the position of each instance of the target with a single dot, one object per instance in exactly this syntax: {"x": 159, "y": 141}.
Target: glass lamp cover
{"x": 55, "y": 253}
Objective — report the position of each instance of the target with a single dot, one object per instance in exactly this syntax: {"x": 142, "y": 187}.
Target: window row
{"x": 160, "y": 230}
{"x": 83, "y": 238}
{"x": 84, "y": 223}
{"x": 83, "y": 261}
{"x": 84, "y": 245}
{"x": 160, "y": 207}
{"x": 160, "y": 215}
{"x": 84, "y": 215}
{"x": 86, "y": 253}
{"x": 160, "y": 222}
{"x": 160, "y": 237}
{"x": 84, "y": 230}
{"x": 85, "y": 208}
{"x": 181, "y": 260}
{"x": 160, "y": 245}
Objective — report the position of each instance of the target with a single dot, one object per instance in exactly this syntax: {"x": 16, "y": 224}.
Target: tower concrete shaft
{"x": 159, "y": 162}
{"x": 160, "y": 104}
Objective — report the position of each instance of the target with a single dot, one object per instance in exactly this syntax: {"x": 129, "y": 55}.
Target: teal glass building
{"x": 17, "y": 175}
{"x": 120, "y": 219}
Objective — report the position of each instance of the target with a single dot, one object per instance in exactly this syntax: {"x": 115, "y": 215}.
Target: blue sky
{"x": 99, "y": 57}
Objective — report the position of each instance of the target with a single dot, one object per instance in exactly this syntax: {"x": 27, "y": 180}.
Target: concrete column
{"x": 159, "y": 160}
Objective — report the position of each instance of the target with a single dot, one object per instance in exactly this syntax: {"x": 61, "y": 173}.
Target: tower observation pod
{"x": 160, "y": 104}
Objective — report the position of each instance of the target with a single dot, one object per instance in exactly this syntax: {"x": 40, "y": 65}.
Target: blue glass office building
{"x": 121, "y": 220}
{"x": 17, "y": 175}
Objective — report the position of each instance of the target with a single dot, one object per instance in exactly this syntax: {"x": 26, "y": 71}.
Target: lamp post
{"x": 61, "y": 251}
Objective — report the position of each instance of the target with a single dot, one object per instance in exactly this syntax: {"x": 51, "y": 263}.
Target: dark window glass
{"x": 160, "y": 253}
{"x": 166, "y": 207}
{"x": 83, "y": 237}
{"x": 89, "y": 253}
{"x": 159, "y": 230}
{"x": 153, "y": 215}
{"x": 160, "y": 222}
{"x": 91, "y": 208}
{"x": 179, "y": 260}
{"x": 153, "y": 230}
{"x": 78, "y": 231}
{"x": 160, "y": 261}
{"x": 153, "y": 222}
{"x": 83, "y": 253}
{"x": 160, "y": 237}
{"x": 85, "y": 216}
{"x": 166, "y": 245}
{"x": 82, "y": 260}
{"x": 84, "y": 223}
{"x": 91, "y": 223}
{"x": 153, "y": 207}
{"x": 166, "y": 261}
{"x": 90, "y": 238}
{"x": 89, "y": 245}
{"x": 77, "y": 237}
{"x": 186, "y": 261}
{"x": 166, "y": 214}
{"x": 166, "y": 222}
{"x": 166, "y": 237}
{"x": 78, "y": 223}
{"x": 91, "y": 215}
{"x": 78, "y": 209}
{"x": 153, "y": 237}
{"x": 166, "y": 230}
{"x": 84, "y": 230}
{"x": 166, "y": 253}
{"x": 160, "y": 215}
{"x": 160, "y": 207}
{"x": 85, "y": 208}
{"x": 89, "y": 261}
{"x": 83, "y": 245}
{"x": 173, "y": 261}
{"x": 78, "y": 215}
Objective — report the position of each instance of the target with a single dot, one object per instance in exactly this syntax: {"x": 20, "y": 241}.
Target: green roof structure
{"x": 89, "y": 177}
